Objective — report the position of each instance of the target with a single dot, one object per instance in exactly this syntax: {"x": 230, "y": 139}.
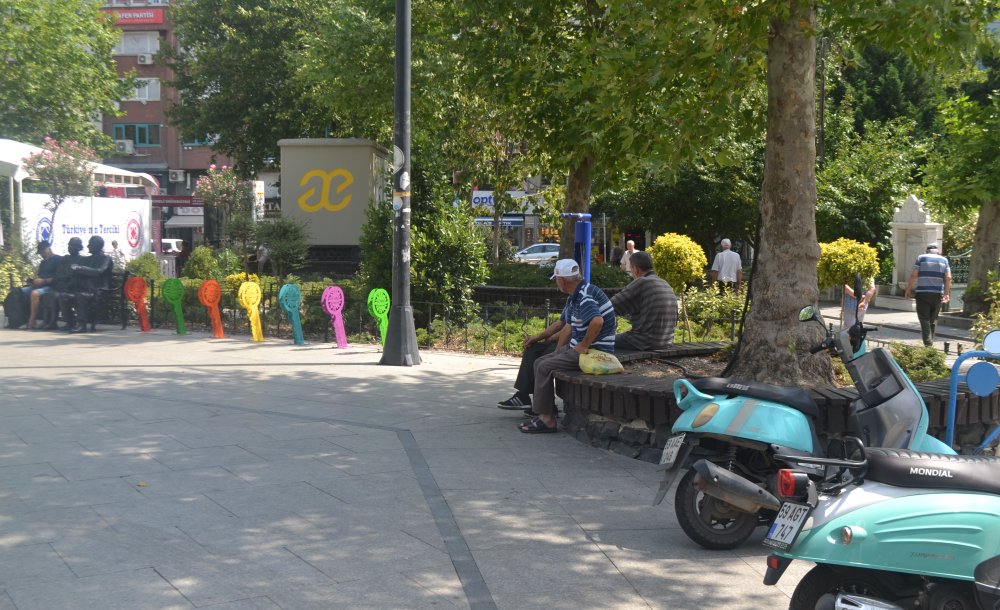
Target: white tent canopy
{"x": 12, "y": 156}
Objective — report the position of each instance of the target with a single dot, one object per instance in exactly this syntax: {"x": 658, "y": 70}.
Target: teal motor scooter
{"x": 910, "y": 530}
{"x": 729, "y": 432}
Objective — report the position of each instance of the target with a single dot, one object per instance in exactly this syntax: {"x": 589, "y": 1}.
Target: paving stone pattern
{"x": 151, "y": 471}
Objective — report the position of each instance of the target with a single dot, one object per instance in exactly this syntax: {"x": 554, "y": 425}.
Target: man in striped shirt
{"x": 651, "y": 305}
{"x": 932, "y": 277}
{"x": 589, "y": 323}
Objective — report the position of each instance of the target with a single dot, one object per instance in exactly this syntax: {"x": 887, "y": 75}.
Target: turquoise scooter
{"x": 730, "y": 431}
{"x": 910, "y": 530}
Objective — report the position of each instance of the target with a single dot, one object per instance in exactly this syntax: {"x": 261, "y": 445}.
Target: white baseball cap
{"x": 565, "y": 267}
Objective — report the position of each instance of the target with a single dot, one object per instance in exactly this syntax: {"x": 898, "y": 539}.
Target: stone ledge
{"x": 633, "y": 415}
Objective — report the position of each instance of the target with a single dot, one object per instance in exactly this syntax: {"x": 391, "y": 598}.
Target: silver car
{"x": 538, "y": 254}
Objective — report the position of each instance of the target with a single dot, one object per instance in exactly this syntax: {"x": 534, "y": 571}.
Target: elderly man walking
{"x": 589, "y": 322}
{"x": 931, "y": 276}
{"x": 727, "y": 268}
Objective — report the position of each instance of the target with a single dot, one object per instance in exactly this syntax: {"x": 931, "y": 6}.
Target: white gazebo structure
{"x": 13, "y": 153}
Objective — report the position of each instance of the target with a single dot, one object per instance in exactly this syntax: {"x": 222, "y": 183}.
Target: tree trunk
{"x": 775, "y": 344}
{"x": 985, "y": 253}
{"x": 496, "y": 233}
{"x": 577, "y": 200}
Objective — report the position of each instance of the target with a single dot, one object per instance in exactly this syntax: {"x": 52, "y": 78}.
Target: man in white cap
{"x": 588, "y": 323}
{"x": 727, "y": 268}
{"x": 931, "y": 276}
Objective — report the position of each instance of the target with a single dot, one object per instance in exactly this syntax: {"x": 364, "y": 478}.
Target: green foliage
{"x": 524, "y": 275}
{"x": 920, "y": 363}
{"x": 862, "y": 180}
{"x": 145, "y": 265}
{"x": 221, "y": 43}
{"x": 58, "y": 71}
{"x": 841, "y": 259}
{"x": 983, "y": 323}
{"x": 226, "y": 198}
{"x": 13, "y": 264}
{"x": 710, "y": 313}
{"x": 201, "y": 264}
{"x": 448, "y": 260}
{"x": 288, "y": 241}
{"x": 678, "y": 259}
{"x": 229, "y": 262}
{"x": 701, "y": 199}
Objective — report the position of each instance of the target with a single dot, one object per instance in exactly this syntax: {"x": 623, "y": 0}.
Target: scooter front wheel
{"x": 710, "y": 522}
{"x": 823, "y": 580}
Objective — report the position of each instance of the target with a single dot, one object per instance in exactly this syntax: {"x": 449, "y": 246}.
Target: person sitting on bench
{"x": 63, "y": 286}
{"x": 93, "y": 274}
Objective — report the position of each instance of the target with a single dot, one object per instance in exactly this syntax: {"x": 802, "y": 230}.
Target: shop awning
{"x": 185, "y": 222}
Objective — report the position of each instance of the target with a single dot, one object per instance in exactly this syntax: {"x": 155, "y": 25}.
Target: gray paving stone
{"x": 285, "y": 493}
{"x": 120, "y": 591}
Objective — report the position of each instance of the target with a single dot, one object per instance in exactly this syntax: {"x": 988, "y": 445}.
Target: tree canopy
{"x": 58, "y": 70}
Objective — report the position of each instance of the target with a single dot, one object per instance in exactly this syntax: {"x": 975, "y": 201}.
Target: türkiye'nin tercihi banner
{"x": 328, "y": 183}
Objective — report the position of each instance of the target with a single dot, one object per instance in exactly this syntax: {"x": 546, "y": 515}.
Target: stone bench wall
{"x": 632, "y": 415}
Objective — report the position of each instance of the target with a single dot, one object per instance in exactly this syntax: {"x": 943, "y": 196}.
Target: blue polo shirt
{"x": 931, "y": 271}
{"x": 586, "y": 303}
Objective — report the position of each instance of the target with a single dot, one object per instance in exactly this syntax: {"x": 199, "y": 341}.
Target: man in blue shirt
{"x": 932, "y": 278}
{"x": 589, "y": 322}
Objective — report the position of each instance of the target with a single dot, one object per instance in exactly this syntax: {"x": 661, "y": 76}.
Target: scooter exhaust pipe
{"x": 849, "y": 601}
{"x": 732, "y": 488}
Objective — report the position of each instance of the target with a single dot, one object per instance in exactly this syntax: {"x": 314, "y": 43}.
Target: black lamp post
{"x": 401, "y": 339}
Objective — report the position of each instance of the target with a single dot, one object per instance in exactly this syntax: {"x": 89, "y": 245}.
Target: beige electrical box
{"x": 328, "y": 183}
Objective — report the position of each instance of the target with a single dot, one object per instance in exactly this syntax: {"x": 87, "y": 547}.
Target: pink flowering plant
{"x": 225, "y": 193}
{"x": 63, "y": 170}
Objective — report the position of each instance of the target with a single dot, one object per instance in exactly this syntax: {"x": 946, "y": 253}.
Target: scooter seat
{"x": 796, "y": 398}
{"x": 906, "y": 468}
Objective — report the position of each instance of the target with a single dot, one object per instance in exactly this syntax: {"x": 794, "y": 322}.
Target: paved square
{"x": 152, "y": 471}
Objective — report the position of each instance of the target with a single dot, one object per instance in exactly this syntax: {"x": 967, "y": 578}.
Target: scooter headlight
{"x": 706, "y": 414}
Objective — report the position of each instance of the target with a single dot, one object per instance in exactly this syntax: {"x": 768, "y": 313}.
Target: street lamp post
{"x": 401, "y": 339}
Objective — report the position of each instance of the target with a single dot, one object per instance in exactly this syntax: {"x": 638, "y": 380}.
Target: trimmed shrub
{"x": 839, "y": 260}
{"x": 146, "y": 265}
{"x": 678, "y": 259}
{"x": 920, "y": 363}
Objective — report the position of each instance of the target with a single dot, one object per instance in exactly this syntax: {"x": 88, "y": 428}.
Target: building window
{"x": 143, "y": 134}
{"x": 146, "y": 90}
{"x": 136, "y": 43}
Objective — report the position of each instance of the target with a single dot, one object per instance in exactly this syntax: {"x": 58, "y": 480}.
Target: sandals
{"x": 537, "y": 426}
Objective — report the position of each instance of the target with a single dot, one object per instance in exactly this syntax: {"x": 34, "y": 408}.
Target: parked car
{"x": 538, "y": 253}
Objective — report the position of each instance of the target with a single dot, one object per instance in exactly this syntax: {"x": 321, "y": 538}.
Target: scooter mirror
{"x": 991, "y": 343}
{"x": 807, "y": 313}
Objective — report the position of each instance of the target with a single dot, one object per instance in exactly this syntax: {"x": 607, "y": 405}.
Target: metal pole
{"x": 401, "y": 339}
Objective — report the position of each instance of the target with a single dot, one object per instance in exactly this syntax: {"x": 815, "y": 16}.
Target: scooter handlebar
{"x": 822, "y": 346}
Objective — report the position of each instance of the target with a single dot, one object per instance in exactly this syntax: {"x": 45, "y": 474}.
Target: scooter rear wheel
{"x": 822, "y": 580}
{"x": 710, "y": 522}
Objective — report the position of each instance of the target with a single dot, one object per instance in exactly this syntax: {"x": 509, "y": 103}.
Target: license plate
{"x": 787, "y": 525}
{"x": 671, "y": 450}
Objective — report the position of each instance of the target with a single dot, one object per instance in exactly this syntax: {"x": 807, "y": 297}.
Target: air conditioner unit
{"x": 144, "y": 59}
{"x": 176, "y": 175}
{"x": 125, "y": 147}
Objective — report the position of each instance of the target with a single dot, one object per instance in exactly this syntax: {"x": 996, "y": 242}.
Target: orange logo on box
{"x": 326, "y": 179}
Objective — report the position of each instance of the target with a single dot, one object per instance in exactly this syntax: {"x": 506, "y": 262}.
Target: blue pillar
{"x": 581, "y": 241}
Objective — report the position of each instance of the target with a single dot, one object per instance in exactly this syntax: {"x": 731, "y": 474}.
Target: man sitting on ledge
{"x": 588, "y": 322}
{"x": 648, "y": 299}
{"x": 650, "y": 304}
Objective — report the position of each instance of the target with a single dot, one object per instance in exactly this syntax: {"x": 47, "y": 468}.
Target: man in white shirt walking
{"x": 727, "y": 269}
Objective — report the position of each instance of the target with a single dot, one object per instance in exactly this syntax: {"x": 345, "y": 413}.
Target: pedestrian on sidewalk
{"x": 931, "y": 277}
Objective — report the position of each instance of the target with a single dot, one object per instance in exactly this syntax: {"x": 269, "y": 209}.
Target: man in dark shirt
{"x": 42, "y": 284}
{"x": 92, "y": 274}
{"x": 65, "y": 285}
{"x": 650, "y": 304}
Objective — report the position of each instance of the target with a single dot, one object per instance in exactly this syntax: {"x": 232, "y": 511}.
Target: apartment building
{"x": 144, "y": 140}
